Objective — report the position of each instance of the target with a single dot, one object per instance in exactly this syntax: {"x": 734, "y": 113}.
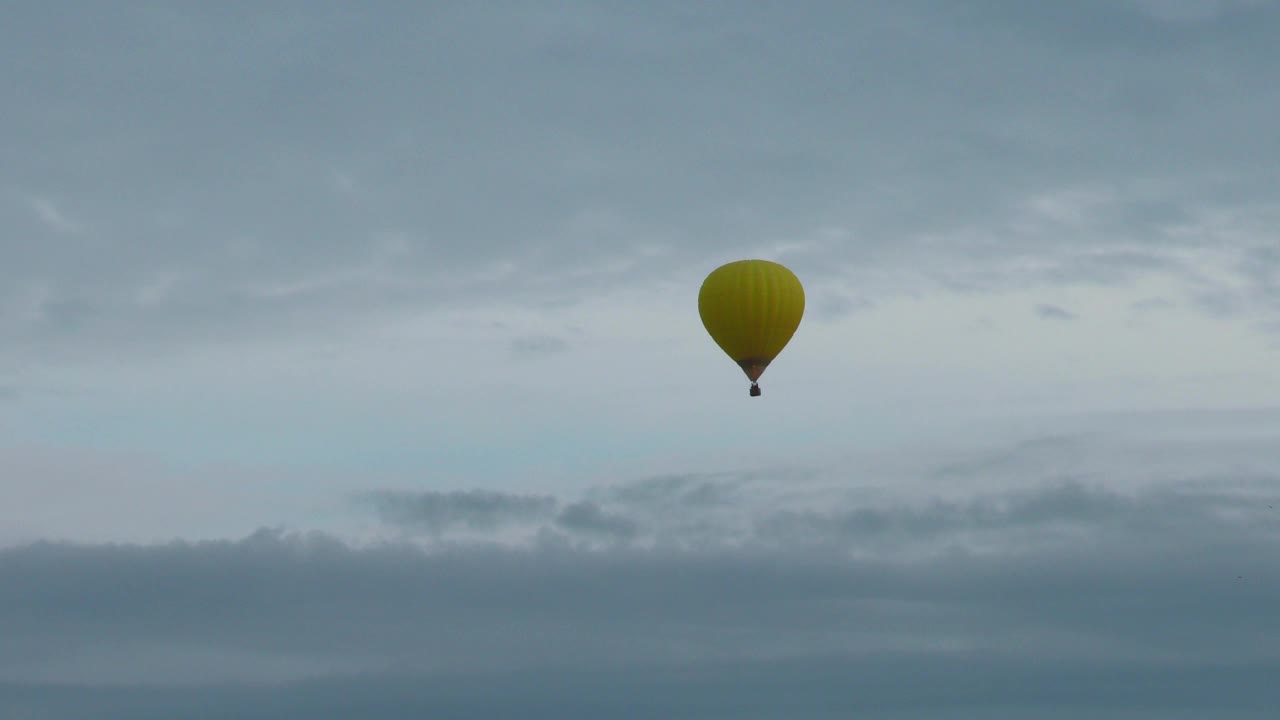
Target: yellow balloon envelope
{"x": 751, "y": 308}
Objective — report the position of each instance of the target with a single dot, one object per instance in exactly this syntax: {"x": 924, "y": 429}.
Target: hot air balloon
{"x": 751, "y": 308}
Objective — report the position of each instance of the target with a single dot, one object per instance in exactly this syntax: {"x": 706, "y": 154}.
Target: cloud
{"x": 1053, "y": 312}
{"x": 1070, "y": 509}
{"x": 689, "y": 510}
{"x": 891, "y": 687}
{"x": 1043, "y": 488}
{"x": 1152, "y": 304}
{"x": 539, "y": 345}
{"x": 472, "y": 509}
{"x": 669, "y": 493}
{"x": 1061, "y": 571}
{"x": 52, "y": 216}
{"x": 343, "y": 182}
{"x": 1111, "y": 598}
{"x": 579, "y": 194}
{"x": 590, "y": 519}
{"x": 1027, "y": 458}
{"x": 65, "y": 315}
{"x": 1191, "y": 11}
{"x": 833, "y": 305}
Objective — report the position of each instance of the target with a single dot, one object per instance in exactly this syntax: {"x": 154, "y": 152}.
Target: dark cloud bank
{"x": 681, "y": 597}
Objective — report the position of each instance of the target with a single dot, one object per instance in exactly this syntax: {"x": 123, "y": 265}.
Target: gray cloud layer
{"x": 183, "y": 173}
{"x": 1059, "y": 597}
{"x": 896, "y": 687}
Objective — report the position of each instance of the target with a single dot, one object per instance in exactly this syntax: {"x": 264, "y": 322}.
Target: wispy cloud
{"x": 836, "y": 305}
{"x": 52, "y": 216}
{"x": 474, "y": 509}
{"x": 1053, "y": 312}
{"x": 1153, "y": 304}
{"x": 1190, "y": 11}
{"x": 343, "y": 182}
{"x": 539, "y": 345}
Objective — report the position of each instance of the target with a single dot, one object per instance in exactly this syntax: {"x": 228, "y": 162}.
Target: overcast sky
{"x": 350, "y": 363}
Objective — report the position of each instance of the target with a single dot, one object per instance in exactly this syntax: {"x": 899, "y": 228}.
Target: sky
{"x": 350, "y": 363}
